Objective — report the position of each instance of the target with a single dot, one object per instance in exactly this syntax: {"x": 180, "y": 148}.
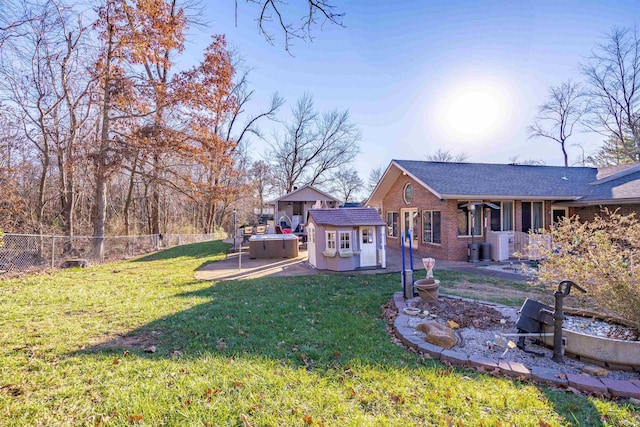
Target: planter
{"x": 602, "y": 349}
{"x": 427, "y": 288}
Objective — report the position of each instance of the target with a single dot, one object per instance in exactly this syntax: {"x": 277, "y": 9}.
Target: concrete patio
{"x": 238, "y": 266}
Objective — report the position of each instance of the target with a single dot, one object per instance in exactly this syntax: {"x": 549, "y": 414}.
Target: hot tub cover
{"x": 263, "y": 237}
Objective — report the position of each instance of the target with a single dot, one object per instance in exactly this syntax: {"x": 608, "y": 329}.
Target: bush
{"x": 602, "y": 255}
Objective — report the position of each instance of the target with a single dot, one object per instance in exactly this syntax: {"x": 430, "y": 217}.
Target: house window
{"x": 532, "y": 216}
{"x": 331, "y": 240}
{"x": 407, "y": 193}
{"x": 469, "y": 219}
{"x": 312, "y": 234}
{"x": 431, "y": 227}
{"x": 392, "y": 224}
{"x": 502, "y": 220}
{"x": 345, "y": 240}
{"x": 367, "y": 236}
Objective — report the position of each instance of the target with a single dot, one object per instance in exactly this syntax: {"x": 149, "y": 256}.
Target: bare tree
{"x": 374, "y": 177}
{"x": 347, "y": 185}
{"x": 446, "y": 156}
{"x": 558, "y": 117}
{"x": 532, "y": 162}
{"x": 28, "y": 83}
{"x": 314, "y": 145}
{"x": 613, "y": 73}
{"x": 272, "y": 12}
{"x": 261, "y": 182}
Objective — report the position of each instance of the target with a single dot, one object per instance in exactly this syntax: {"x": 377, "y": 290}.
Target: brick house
{"x": 445, "y": 206}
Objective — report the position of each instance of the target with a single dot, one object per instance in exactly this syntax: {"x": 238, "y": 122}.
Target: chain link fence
{"x": 31, "y": 252}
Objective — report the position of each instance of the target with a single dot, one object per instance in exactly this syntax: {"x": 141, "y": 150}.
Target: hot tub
{"x": 273, "y": 246}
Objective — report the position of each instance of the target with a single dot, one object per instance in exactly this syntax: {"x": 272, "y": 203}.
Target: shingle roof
{"x": 346, "y": 216}
{"x": 626, "y": 186}
{"x": 615, "y": 169}
{"x": 484, "y": 179}
{"x": 302, "y": 194}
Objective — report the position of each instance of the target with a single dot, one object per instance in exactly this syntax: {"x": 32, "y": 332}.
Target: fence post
{"x": 53, "y": 251}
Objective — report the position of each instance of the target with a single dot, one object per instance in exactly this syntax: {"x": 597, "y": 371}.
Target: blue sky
{"x": 418, "y": 76}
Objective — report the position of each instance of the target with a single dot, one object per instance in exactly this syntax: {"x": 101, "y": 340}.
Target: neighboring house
{"x": 291, "y": 209}
{"x": 444, "y": 206}
{"x": 346, "y": 239}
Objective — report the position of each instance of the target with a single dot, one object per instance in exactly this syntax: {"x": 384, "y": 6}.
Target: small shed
{"x": 346, "y": 239}
{"x": 291, "y": 209}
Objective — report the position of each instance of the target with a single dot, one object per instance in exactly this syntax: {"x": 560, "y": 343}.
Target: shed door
{"x": 367, "y": 247}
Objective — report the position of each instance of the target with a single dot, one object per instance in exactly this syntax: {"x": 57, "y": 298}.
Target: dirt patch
{"x": 125, "y": 342}
{"x": 465, "y": 314}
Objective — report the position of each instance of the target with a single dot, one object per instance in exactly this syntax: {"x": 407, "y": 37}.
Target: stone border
{"x": 586, "y": 383}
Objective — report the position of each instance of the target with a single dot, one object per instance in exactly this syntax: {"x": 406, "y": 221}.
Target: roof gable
{"x": 306, "y": 193}
{"x": 346, "y": 217}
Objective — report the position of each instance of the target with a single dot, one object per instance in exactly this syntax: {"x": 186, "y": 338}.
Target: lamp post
{"x": 235, "y": 232}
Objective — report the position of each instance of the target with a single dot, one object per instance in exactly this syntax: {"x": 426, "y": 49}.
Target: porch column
{"x": 383, "y": 245}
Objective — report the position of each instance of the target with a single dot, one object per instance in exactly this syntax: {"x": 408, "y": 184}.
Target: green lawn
{"x": 267, "y": 352}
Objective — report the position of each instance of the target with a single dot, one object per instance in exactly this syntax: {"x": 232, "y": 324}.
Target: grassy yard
{"x": 288, "y": 351}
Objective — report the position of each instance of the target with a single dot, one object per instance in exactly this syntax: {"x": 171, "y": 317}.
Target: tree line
{"x": 102, "y": 131}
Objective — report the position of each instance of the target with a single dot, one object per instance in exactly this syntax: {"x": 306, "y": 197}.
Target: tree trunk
{"x": 101, "y": 160}
{"x": 100, "y": 214}
{"x": 155, "y": 197}
{"x": 127, "y": 204}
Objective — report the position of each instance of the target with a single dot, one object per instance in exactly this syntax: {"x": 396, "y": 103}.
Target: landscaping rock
{"x": 596, "y": 371}
{"x": 438, "y": 334}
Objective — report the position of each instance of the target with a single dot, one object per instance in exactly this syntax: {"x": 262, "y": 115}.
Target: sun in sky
{"x": 472, "y": 111}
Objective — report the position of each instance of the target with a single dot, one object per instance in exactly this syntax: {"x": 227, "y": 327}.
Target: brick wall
{"x": 453, "y": 247}
{"x": 587, "y": 213}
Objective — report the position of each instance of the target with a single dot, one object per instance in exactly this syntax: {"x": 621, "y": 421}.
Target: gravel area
{"x": 482, "y": 329}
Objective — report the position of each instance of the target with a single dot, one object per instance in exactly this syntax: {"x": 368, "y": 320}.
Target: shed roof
{"x": 346, "y": 216}
{"x": 306, "y": 193}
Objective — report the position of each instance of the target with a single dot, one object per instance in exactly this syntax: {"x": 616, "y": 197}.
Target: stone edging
{"x": 585, "y": 383}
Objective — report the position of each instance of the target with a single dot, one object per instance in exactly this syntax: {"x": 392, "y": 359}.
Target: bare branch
{"x": 272, "y": 10}
{"x": 558, "y": 116}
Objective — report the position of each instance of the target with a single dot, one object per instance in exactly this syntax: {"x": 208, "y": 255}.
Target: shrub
{"x": 602, "y": 255}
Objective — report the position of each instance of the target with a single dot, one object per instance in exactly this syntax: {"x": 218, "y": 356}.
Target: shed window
{"x": 331, "y": 240}
{"x": 345, "y": 240}
{"x": 312, "y": 234}
{"x": 367, "y": 235}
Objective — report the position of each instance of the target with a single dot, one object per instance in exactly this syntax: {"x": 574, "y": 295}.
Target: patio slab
{"x": 238, "y": 266}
